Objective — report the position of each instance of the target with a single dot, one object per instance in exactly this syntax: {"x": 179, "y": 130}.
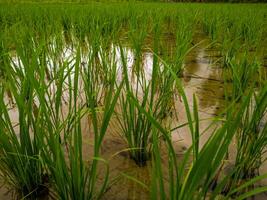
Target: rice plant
{"x": 135, "y": 127}
{"x": 242, "y": 73}
{"x": 74, "y": 177}
{"x": 183, "y": 42}
{"x": 251, "y": 140}
{"x": 22, "y": 164}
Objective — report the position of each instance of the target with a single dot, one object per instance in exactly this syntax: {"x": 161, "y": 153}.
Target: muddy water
{"x": 201, "y": 77}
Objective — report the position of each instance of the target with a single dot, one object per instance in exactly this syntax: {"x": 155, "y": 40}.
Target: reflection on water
{"x": 203, "y": 78}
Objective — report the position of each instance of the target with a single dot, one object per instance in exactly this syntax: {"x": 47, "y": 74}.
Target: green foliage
{"x": 64, "y": 66}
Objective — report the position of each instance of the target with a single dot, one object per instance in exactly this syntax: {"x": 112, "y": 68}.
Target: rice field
{"x": 133, "y": 100}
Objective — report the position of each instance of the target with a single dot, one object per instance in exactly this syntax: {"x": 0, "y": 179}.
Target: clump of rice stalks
{"x": 74, "y": 177}
{"x": 251, "y": 139}
{"x": 21, "y": 144}
{"x": 249, "y": 31}
{"x": 152, "y": 95}
{"x": 241, "y": 74}
{"x": 229, "y": 50}
{"x": 184, "y": 33}
{"x": 211, "y": 24}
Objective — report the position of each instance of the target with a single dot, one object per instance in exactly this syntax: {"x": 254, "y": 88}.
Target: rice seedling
{"x": 241, "y": 74}
{"x": 229, "y": 51}
{"x": 183, "y": 41}
{"x": 74, "y": 177}
{"x": 249, "y": 30}
{"x": 211, "y": 25}
{"x": 154, "y": 94}
{"x": 135, "y": 127}
{"x": 251, "y": 140}
{"x": 22, "y": 166}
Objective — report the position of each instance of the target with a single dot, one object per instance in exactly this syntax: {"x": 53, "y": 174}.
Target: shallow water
{"x": 201, "y": 77}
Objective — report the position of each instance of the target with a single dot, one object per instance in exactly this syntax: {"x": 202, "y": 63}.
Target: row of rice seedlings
{"x": 244, "y": 27}
{"x": 233, "y": 44}
{"x": 50, "y": 19}
{"x": 240, "y": 77}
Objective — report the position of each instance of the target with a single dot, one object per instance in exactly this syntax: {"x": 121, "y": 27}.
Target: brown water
{"x": 201, "y": 77}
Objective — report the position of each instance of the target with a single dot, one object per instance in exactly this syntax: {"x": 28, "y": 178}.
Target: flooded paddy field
{"x": 133, "y": 101}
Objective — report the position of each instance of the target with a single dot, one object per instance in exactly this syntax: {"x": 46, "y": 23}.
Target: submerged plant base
{"x": 238, "y": 179}
{"x": 234, "y": 184}
{"x": 38, "y": 191}
{"x": 140, "y": 157}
